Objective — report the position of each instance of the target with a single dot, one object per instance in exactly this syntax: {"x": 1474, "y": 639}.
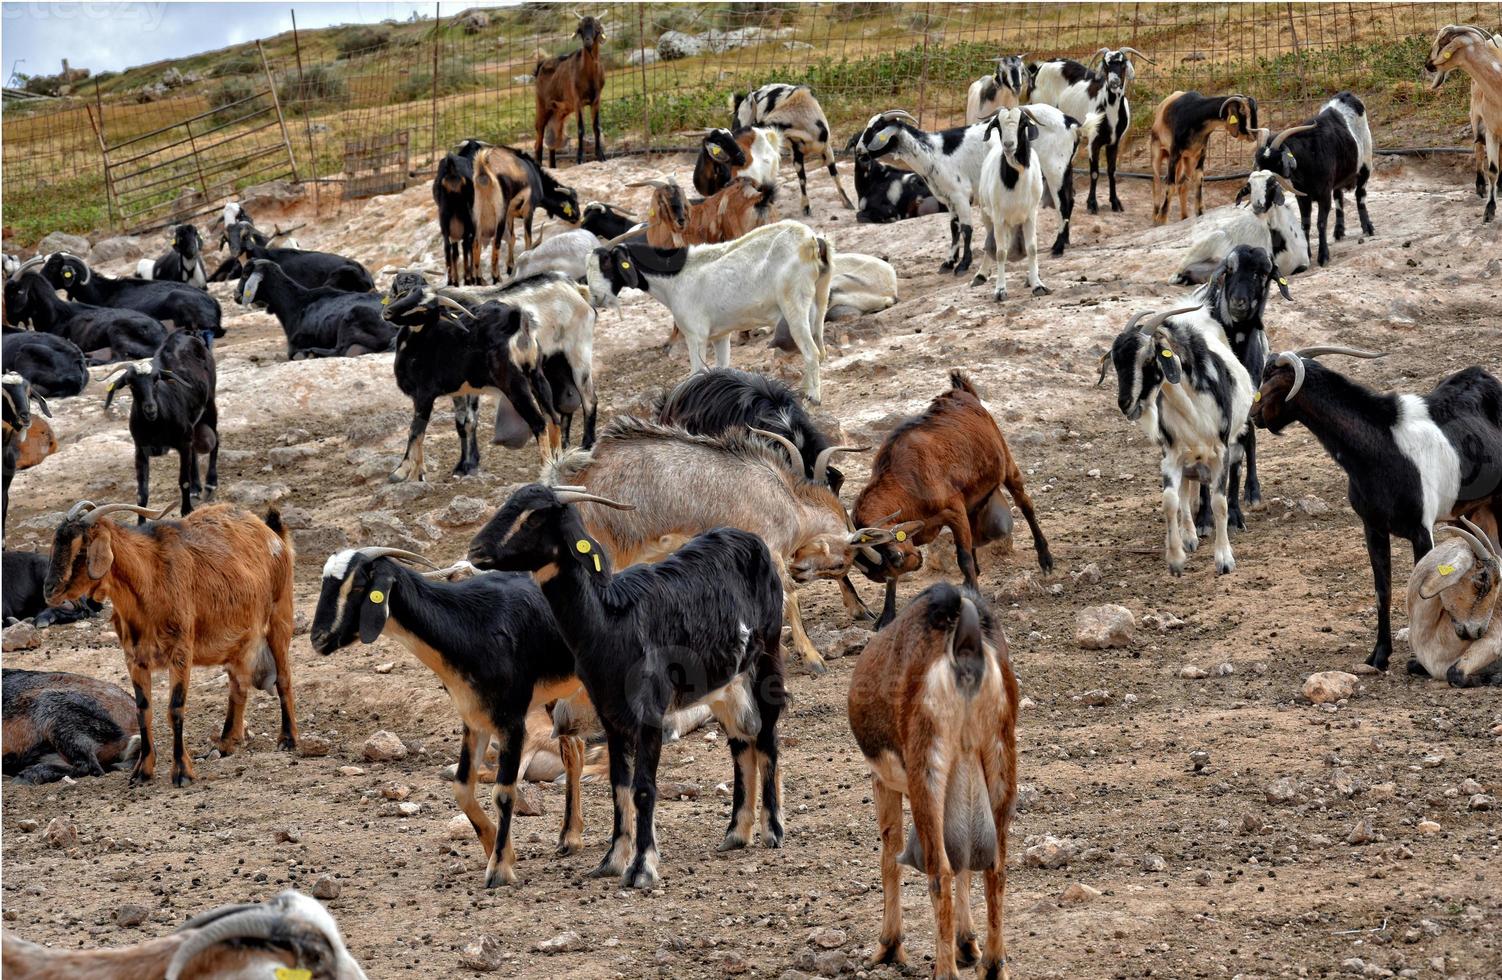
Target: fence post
{"x": 1297, "y": 53}
{"x": 307, "y": 120}
{"x": 437, "y": 23}
{"x": 646, "y": 107}
{"x": 104, "y": 151}
{"x": 923, "y": 72}
{"x": 276, "y": 103}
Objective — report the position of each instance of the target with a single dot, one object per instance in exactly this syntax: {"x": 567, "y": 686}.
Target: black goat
{"x": 60, "y": 725}
{"x": 714, "y": 402}
{"x": 182, "y": 264}
{"x": 720, "y": 156}
{"x": 170, "y": 303}
{"x": 1410, "y": 460}
{"x": 606, "y": 221}
{"x": 437, "y": 355}
{"x": 494, "y": 645}
{"x": 1324, "y": 157}
{"x": 18, "y": 395}
{"x": 454, "y": 193}
{"x": 320, "y": 322}
{"x": 308, "y": 269}
{"x": 173, "y": 410}
{"x": 104, "y": 334}
{"x": 24, "y": 575}
{"x": 54, "y": 365}
{"x": 703, "y": 625}
{"x": 884, "y": 193}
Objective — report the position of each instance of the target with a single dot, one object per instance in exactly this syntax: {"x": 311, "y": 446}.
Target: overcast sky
{"x": 101, "y": 36}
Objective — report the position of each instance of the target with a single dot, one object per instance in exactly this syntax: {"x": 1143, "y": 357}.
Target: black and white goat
{"x": 702, "y": 626}
{"x": 1009, "y": 194}
{"x": 493, "y": 643}
{"x": 54, "y": 365}
{"x": 724, "y": 155}
{"x": 793, "y": 111}
{"x": 307, "y": 269}
{"x": 18, "y": 395}
{"x": 1272, "y": 225}
{"x": 606, "y": 221}
{"x": 1325, "y": 157}
{"x": 321, "y": 322}
{"x": 183, "y": 263}
{"x": 1411, "y": 460}
{"x": 1180, "y": 137}
{"x": 884, "y": 193}
{"x": 176, "y": 306}
{"x": 1079, "y": 91}
{"x": 438, "y": 354}
{"x": 1179, "y": 380}
{"x": 173, "y": 410}
{"x": 104, "y": 334}
{"x": 1010, "y": 86}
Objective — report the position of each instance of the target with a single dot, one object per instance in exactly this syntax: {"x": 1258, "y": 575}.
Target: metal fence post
{"x": 104, "y": 152}
{"x": 923, "y": 72}
{"x": 437, "y": 23}
{"x": 646, "y": 105}
{"x": 302, "y": 92}
{"x": 276, "y": 103}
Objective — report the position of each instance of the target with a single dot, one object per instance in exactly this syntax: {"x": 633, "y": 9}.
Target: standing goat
{"x": 1010, "y": 193}
{"x": 1010, "y": 86}
{"x": 184, "y": 263}
{"x": 724, "y": 155}
{"x": 1477, "y": 53}
{"x": 933, "y": 705}
{"x": 509, "y": 187}
{"x": 1273, "y": 226}
{"x": 701, "y": 626}
{"x": 454, "y": 193}
{"x": 567, "y": 83}
{"x": 1325, "y": 157}
{"x": 1410, "y": 460}
{"x": 212, "y": 589}
{"x": 1452, "y": 604}
{"x": 1180, "y": 138}
{"x": 793, "y": 111}
{"x": 18, "y": 396}
{"x": 1079, "y": 91}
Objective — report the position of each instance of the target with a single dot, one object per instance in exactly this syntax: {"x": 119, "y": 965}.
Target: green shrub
{"x": 222, "y": 99}
{"x": 319, "y": 84}
{"x": 240, "y": 64}
{"x": 419, "y": 84}
{"x": 44, "y": 85}
{"x": 363, "y": 40}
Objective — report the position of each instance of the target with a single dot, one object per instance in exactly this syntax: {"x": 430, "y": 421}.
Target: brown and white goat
{"x": 944, "y": 468}
{"x": 1180, "y": 137}
{"x": 566, "y": 83}
{"x": 509, "y": 188}
{"x": 795, "y": 112}
{"x": 1452, "y": 605}
{"x": 725, "y": 215}
{"x": 213, "y": 589}
{"x": 291, "y": 935}
{"x": 933, "y": 706}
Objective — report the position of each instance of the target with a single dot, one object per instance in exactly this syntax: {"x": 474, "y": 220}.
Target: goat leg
{"x": 465, "y": 776}
{"x": 1379, "y": 551}
{"x": 888, "y": 606}
{"x": 802, "y": 177}
{"x": 234, "y": 715}
{"x": 642, "y": 872}
{"x": 743, "y": 796}
{"x": 1362, "y": 176}
{"x": 411, "y": 464}
{"x": 614, "y": 861}
{"x": 571, "y": 835}
{"x": 1112, "y": 149}
{"x": 854, "y": 604}
{"x": 143, "y": 480}
{"x": 502, "y": 866}
{"x": 140, "y": 679}
{"x": 595, "y": 120}
{"x": 889, "y": 821}
{"x": 182, "y": 766}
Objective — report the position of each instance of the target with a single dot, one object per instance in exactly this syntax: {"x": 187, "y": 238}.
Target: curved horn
{"x": 124, "y": 367}
{"x": 1287, "y": 185}
{"x": 459, "y": 566}
{"x": 1151, "y": 320}
{"x": 1296, "y": 362}
{"x": 901, "y": 115}
{"x": 453, "y": 304}
{"x": 251, "y": 922}
{"x": 87, "y": 272}
{"x": 1482, "y": 550}
{"x": 1353, "y": 352}
{"x": 1485, "y": 538}
{"x": 30, "y": 263}
{"x": 411, "y": 556}
{"x": 146, "y": 512}
{"x": 79, "y": 508}
{"x": 657, "y": 182}
{"x": 1139, "y": 54}
{"x": 570, "y": 496}
{"x": 1096, "y": 56}
{"x": 1277, "y": 142}
{"x": 640, "y": 226}
{"x": 821, "y": 462}
{"x": 794, "y": 456}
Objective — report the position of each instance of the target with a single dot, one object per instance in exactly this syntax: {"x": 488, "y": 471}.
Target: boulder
{"x": 1104, "y": 627}
{"x": 61, "y": 241}
{"x": 673, "y": 45}
{"x": 121, "y": 248}
{"x": 1330, "y": 685}
{"x": 384, "y": 746}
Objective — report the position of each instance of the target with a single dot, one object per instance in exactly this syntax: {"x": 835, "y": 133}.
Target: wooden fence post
{"x": 276, "y": 103}
{"x": 307, "y": 119}
{"x": 437, "y": 23}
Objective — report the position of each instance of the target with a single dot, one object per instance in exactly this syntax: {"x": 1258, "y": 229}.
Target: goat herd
{"x": 651, "y": 572}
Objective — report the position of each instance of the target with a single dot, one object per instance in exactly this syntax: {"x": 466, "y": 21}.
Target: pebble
{"x": 327, "y": 888}
{"x": 1251, "y": 824}
{"x": 27, "y": 826}
{"x": 1363, "y": 833}
{"x": 564, "y": 942}
{"x": 678, "y": 791}
{"x": 21, "y": 636}
{"x": 484, "y": 955}
{"x": 1483, "y": 802}
{"x": 351, "y": 771}
{"x": 1049, "y": 852}
{"x": 314, "y": 746}
{"x": 1225, "y": 670}
{"x": 1153, "y": 862}
{"x": 1282, "y": 790}
{"x": 1199, "y": 758}
{"x": 1104, "y": 627}
{"x": 828, "y": 937}
{"x": 1470, "y": 787}
{"x": 396, "y": 791}
{"x": 1204, "y": 879}
{"x": 1078, "y": 893}
{"x": 734, "y": 964}
{"x": 386, "y": 668}
{"x": 831, "y": 963}
{"x": 383, "y": 746}
{"x": 1329, "y": 686}
{"x": 1345, "y": 784}
{"x": 130, "y": 915}
{"x": 1428, "y": 827}
{"x": 1190, "y": 672}
{"x": 1098, "y": 698}
{"x": 458, "y": 828}
{"x": 61, "y": 833}
{"x": 291, "y": 835}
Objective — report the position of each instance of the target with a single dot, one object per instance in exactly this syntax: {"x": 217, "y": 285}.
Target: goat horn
{"x": 1353, "y": 352}
{"x": 1483, "y": 551}
{"x": 78, "y": 509}
{"x": 821, "y": 462}
{"x": 640, "y": 226}
{"x": 35, "y": 260}
{"x": 87, "y": 272}
{"x": 251, "y": 922}
{"x": 118, "y": 369}
{"x": 459, "y": 566}
{"x": 1139, "y": 54}
{"x": 10, "y": 401}
{"x": 1293, "y": 360}
{"x": 571, "y": 496}
{"x": 652, "y": 182}
{"x": 794, "y": 456}
{"x": 453, "y": 304}
{"x": 1287, "y": 185}
{"x": 108, "y": 509}
{"x": 900, "y": 115}
{"x": 889, "y": 518}
{"x": 1152, "y": 320}
{"x": 412, "y": 556}
{"x": 1485, "y": 538}
{"x": 1277, "y": 142}
{"x": 1096, "y": 56}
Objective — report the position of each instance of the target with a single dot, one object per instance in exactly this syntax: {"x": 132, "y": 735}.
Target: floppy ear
{"x": 1283, "y": 286}
{"x": 101, "y": 556}
{"x": 1446, "y": 573}
{"x": 905, "y": 530}
{"x": 376, "y": 608}
{"x": 625, "y": 266}
{"x": 1032, "y": 131}
{"x": 1168, "y": 358}
{"x": 1244, "y": 193}
{"x": 1277, "y": 194}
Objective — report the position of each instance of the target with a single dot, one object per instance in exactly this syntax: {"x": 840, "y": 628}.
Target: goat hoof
{"x": 966, "y": 952}
{"x": 946, "y": 265}
{"x": 1116, "y": 206}
{"x": 641, "y": 875}
{"x": 1417, "y": 669}
{"x": 999, "y": 295}
{"x": 732, "y": 842}
{"x": 496, "y": 877}
{"x": 1092, "y": 207}
{"x": 816, "y": 665}
{"x": 1225, "y": 567}
{"x": 567, "y": 847}
{"x": 996, "y": 970}
{"x": 1041, "y": 290}
{"x": 962, "y": 268}
{"x": 978, "y": 278}
{"x": 287, "y": 744}
{"x": 771, "y": 838}
{"x": 1379, "y": 658}
{"x": 137, "y": 777}
{"x": 889, "y": 953}
{"x": 1176, "y": 569}
{"x": 181, "y": 779}
{"x": 605, "y": 870}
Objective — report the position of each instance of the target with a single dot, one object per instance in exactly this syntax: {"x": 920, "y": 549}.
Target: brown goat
{"x": 933, "y": 706}
{"x": 509, "y": 187}
{"x": 565, "y": 85}
{"x": 60, "y": 725}
{"x": 1180, "y": 135}
{"x": 725, "y": 215}
{"x": 213, "y": 589}
{"x": 943, "y": 468}
{"x": 37, "y": 444}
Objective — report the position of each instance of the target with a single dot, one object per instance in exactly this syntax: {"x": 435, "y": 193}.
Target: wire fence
{"x": 671, "y": 70}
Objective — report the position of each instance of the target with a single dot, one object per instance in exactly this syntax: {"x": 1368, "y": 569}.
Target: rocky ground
{"x": 1186, "y": 811}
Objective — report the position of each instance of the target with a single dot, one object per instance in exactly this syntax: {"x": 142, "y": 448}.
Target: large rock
{"x": 673, "y": 45}
{"x": 1104, "y": 627}
{"x": 61, "y": 241}
{"x": 21, "y": 636}
{"x": 384, "y": 746}
{"x": 272, "y": 198}
{"x": 643, "y": 56}
{"x": 1049, "y": 852}
{"x": 1330, "y": 685}
{"x": 482, "y": 956}
{"x": 121, "y": 248}
{"x": 474, "y": 21}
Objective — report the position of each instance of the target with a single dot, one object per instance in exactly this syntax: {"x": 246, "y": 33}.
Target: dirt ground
{"x": 1200, "y": 874}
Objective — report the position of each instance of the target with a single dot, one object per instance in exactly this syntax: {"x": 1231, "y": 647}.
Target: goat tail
{"x": 273, "y": 520}
{"x": 958, "y": 380}
{"x": 820, "y": 251}
{"x": 1090, "y": 128}
{"x": 560, "y": 470}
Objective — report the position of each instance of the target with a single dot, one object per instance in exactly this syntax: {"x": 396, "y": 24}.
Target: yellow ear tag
{"x": 625, "y": 264}
{"x": 1447, "y": 569}
{"x": 596, "y": 557}
{"x": 67, "y": 273}
{"x": 1282, "y": 280}
{"x": 901, "y": 535}
{"x": 1168, "y": 353}
{"x": 1446, "y": 56}
{"x": 651, "y": 212}
{"x": 865, "y": 539}
{"x": 377, "y": 596}
{"x": 292, "y": 973}
{"x": 582, "y": 546}
{"x": 385, "y": 300}
{"x": 1257, "y": 395}
{"x": 1232, "y": 119}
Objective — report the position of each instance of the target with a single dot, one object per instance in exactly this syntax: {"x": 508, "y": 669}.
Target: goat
{"x": 308, "y": 269}
{"x": 724, "y": 155}
{"x": 886, "y": 194}
{"x": 1010, "y": 192}
{"x": 738, "y": 481}
{"x": 25, "y": 574}
{"x": 1452, "y": 601}
{"x": 18, "y": 396}
{"x": 454, "y": 194}
{"x": 715, "y": 290}
{"x": 793, "y": 111}
{"x": 606, "y": 221}
{"x": 437, "y": 355}
{"x": 1179, "y": 380}
{"x": 1078, "y": 91}
{"x": 860, "y": 284}
{"x": 701, "y": 626}
{"x": 1008, "y": 87}
{"x": 321, "y": 322}
{"x": 565, "y": 84}
{"x": 933, "y": 706}
{"x": 1477, "y": 53}
{"x": 1326, "y": 156}
{"x": 725, "y": 215}
{"x": 511, "y": 186}
{"x": 1180, "y": 138}
{"x": 60, "y": 725}
{"x": 183, "y": 263}
{"x": 567, "y": 253}
{"x": 944, "y": 468}
{"x": 54, "y": 365}
{"x": 291, "y": 935}
{"x": 236, "y": 226}
{"x": 214, "y": 588}
{"x": 1410, "y": 460}
{"x": 1272, "y": 226}
{"x": 495, "y": 647}
{"x": 174, "y": 305}
{"x": 173, "y": 409}
{"x": 103, "y": 334}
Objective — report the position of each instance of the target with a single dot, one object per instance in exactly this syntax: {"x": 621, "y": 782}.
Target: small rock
{"x": 1097, "y": 698}
{"x": 1199, "y": 759}
{"x": 678, "y": 791}
{"x": 1153, "y": 862}
{"x": 1251, "y": 824}
{"x": 61, "y": 833}
{"x": 1050, "y": 852}
{"x": 396, "y": 791}
{"x": 530, "y": 801}
{"x": 463, "y": 511}
{"x": 1104, "y": 627}
{"x": 1365, "y": 669}
{"x": 1432, "y": 761}
{"x": 327, "y": 888}
{"x": 21, "y": 636}
{"x": 1089, "y": 575}
{"x": 384, "y": 746}
{"x": 1225, "y": 670}
{"x": 314, "y": 746}
{"x": 1428, "y": 827}
{"x": 828, "y": 937}
{"x": 1078, "y": 893}
{"x": 131, "y": 915}
{"x": 291, "y": 835}
{"x": 121, "y": 247}
{"x": 409, "y": 809}
{"x": 1204, "y": 878}
{"x": 351, "y": 771}
{"x": 1190, "y": 672}
{"x": 458, "y": 828}
{"x": 1282, "y": 790}
{"x": 831, "y": 963}
{"x": 1363, "y": 833}
{"x": 1329, "y": 686}
{"x": 484, "y": 955}
{"x": 1345, "y": 784}
{"x": 734, "y": 964}
{"x": 1482, "y": 802}
{"x": 564, "y": 942}
{"x": 1353, "y": 965}
{"x": 386, "y": 667}
{"x": 27, "y": 826}
{"x": 1469, "y": 787}
{"x": 1027, "y": 795}
{"x": 1382, "y": 791}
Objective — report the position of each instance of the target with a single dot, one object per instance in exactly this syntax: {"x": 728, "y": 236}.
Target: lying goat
{"x": 322, "y": 322}
{"x": 1273, "y": 226}
{"x": 184, "y": 263}
{"x": 23, "y": 584}
{"x": 1452, "y": 605}
{"x": 60, "y": 725}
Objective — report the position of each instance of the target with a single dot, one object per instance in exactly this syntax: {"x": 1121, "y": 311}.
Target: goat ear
{"x": 100, "y": 555}
{"x": 1168, "y": 359}
{"x": 1446, "y": 573}
{"x": 1283, "y": 286}
{"x": 625, "y": 266}
{"x": 375, "y": 608}
{"x": 1032, "y": 132}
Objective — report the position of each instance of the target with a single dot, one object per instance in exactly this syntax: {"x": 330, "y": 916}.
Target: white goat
{"x": 1010, "y": 192}
{"x": 1079, "y": 91}
{"x": 565, "y": 253}
{"x": 861, "y": 284}
{"x": 1452, "y": 604}
{"x": 1273, "y": 225}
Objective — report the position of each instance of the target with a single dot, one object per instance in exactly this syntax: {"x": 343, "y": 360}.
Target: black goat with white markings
{"x": 1078, "y": 90}
{"x": 885, "y": 194}
{"x": 54, "y": 365}
{"x": 703, "y": 625}
{"x": 104, "y": 334}
{"x": 306, "y": 268}
{"x": 496, "y": 648}
{"x": 25, "y": 593}
{"x": 175, "y": 305}
{"x": 440, "y": 354}
{"x": 17, "y": 395}
{"x": 793, "y": 111}
{"x": 182, "y": 264}
{"x": 172, "y": 409}
{"x": 321, "y": 322}
{"x": 606, "y": 221}
{"x": 1410, "y": 460}
{"x": 1324, "y": 157}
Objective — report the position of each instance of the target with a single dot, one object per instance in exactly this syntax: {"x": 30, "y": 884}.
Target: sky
{"x": 100, "y": 35}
